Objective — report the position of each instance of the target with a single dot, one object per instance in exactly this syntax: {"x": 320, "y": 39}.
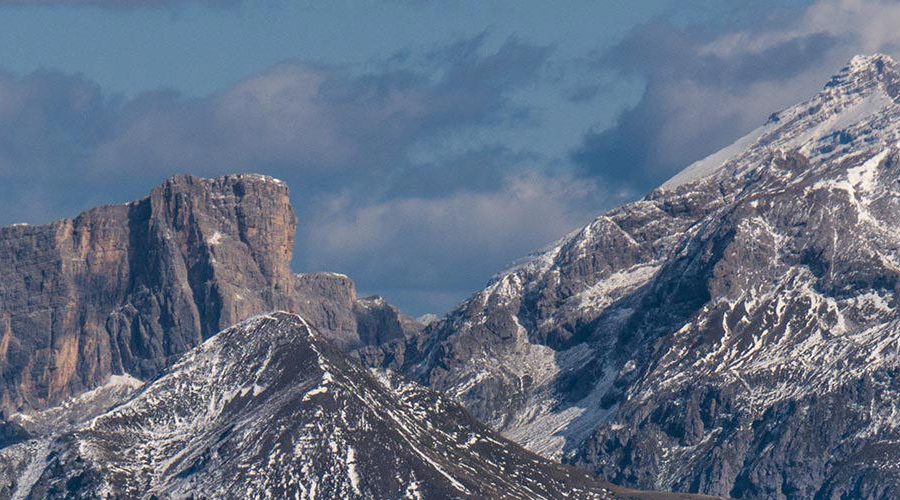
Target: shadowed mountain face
{"x": 124, "y": 289}
{"x": 734, "y": 333}
{"x": 270, "y": 408}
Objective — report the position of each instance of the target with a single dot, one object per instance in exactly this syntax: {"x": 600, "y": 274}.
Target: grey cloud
{"x": 51, "y": 122}
{"x": 324, "y": 120}
{"x": 475, "y": 170}
{"x": 663, "y": 50}
{"x": 334, "y": 133}
{"x": 328, "y": 124}
{"x": 583, "y": 93}
{"x": 700, "y": 95}
{"x": 449, "y": 242}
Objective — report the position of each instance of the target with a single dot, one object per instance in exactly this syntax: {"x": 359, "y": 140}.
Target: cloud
{"x": 326, "y": 121}
{"x": 866, "y": 26}
{"x": 51, "y": 122}
{"x": 422, "y": 244}
{"x": 325, "y": 129}
{"x": 331, "y": 125}
{"x": 705, "y": 88}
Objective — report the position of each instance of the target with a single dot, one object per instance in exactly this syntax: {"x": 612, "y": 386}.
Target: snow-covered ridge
{"x": 862, "y": 92}
{"x": 712, "y": 163}
{"x": 80, "y": 408}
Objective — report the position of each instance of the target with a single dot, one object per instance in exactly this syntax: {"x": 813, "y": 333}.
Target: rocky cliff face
{"x": 269, "y": 408}
{"x": 327, "y": 300}
{"x": 378, "y": 322}
{"x": 124, "y": 288}
{"x": 735, "y": 332}
{"x": 330, "y": 304}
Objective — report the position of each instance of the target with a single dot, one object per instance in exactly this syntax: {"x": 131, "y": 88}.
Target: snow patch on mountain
{"x": 712, "y": 163}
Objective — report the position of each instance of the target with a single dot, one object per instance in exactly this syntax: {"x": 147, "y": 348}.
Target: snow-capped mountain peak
{"x": 740, "y": 320}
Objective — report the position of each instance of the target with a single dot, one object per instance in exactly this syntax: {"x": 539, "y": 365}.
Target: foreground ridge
{"x": 269, "y": 408}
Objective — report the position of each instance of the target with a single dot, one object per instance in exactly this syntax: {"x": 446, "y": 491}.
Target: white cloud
{"x": 866, "y": 26}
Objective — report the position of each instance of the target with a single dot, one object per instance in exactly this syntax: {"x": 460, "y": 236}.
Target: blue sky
{"x": 427, "y": 144}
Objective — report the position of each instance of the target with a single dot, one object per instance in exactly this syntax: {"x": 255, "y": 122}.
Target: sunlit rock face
{"x": 734, "y": 332}
{"x": 124, "y": 289}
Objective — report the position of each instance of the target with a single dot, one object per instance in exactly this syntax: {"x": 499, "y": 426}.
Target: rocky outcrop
{"x": 329, "y": 303}
{"x": 11, "y": 433}
{"x": 378, "y": 322}
{"x": 734, "y": 333}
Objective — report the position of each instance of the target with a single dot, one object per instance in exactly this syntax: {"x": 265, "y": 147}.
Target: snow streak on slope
{"x": 712, "y": 163}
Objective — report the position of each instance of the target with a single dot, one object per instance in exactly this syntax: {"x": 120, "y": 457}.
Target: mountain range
{"x": 127, "y": 288}
{"x": 733, "y": 333}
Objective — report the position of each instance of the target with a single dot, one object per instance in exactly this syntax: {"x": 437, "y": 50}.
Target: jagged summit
{"x": 862, "y": 76}
{"x": 868, "y": 66}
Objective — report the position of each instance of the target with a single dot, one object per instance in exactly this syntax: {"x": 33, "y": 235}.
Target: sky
{"x": 427, "y": 145}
